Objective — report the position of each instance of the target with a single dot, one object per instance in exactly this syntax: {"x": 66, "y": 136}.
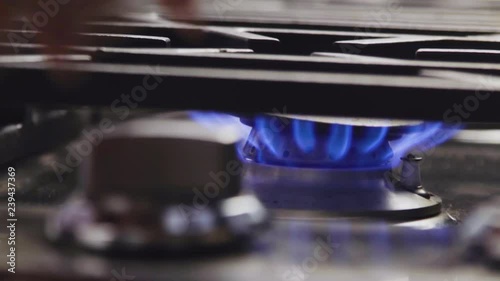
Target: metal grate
{"x": 253, "y": 57}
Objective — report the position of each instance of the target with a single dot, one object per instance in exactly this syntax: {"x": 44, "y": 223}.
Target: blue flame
{"x": 269, "y": 140}
{"x": 303, "y": 134}
{"x": 310, "y": 144}
{"x": 374, "y": 137}
{"x": 423, "y": 138}
{"x": 339, "y": 141}
{"x": 215, "y": 119}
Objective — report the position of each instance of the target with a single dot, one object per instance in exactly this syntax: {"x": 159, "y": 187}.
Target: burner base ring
{"x": 299, "y": 192}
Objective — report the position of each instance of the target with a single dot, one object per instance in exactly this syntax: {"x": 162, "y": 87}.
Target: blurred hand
{"x": 58, "y": 19}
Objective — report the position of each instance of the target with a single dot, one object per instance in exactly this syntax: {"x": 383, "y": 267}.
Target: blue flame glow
{"x": 303, "y": 133}
{"x": 303, "y": 143}
{"x": 268, "y": 140}
{"x": 372, "y": 139}
{"x": 422, "y": 138}
{"x": 311, "y": 144}
{"x": 339, "y": 141}
{"x": 216, "y": 119}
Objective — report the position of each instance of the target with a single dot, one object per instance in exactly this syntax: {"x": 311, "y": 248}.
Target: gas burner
{"x": 341, "y": 167}
{"x": 162, "y": 182}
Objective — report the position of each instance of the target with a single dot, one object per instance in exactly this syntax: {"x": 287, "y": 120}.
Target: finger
{"x": 181, "y": 8}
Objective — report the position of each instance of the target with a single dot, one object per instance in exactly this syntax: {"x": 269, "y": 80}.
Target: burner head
{"x": 338, "y": 143}
{"x": 341, "y": 167}
{"x": 163, "y": 160}
{"x": 336, "y": 167}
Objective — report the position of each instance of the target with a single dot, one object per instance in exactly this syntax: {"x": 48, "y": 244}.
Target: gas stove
{"x": 280, "y": 140}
